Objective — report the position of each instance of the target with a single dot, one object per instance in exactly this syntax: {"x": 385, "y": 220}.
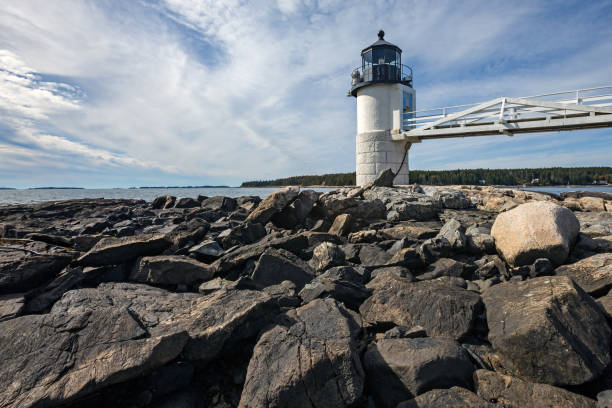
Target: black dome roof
{"x": 382, "y": 43}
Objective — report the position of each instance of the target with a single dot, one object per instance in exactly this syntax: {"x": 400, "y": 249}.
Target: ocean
{"x": 33, "y": 196}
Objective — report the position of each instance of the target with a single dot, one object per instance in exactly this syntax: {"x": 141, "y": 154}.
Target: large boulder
{"x": 447, "y": 197}
{"x": 309, "y": 359}
{"x": 277, "y": 265}
{"x": 296, "y": 212}
{"x": 170, "y": 270}
{"x": 28, "y": 264}
{"x": 442, "y": 309}
{"x": 535, "y": 230}
{"x": 400, "y": 369}
{"x": 212, "y": 322}
{"x": 547, "y": 330}
{"x": 110, "y": 251}
{"x": 273, "y": 204}
{"x": 593, "y": 274}
{"x": 455, "y": 397}
{"x": 505, "y": 389}
{"x": 327, "y": 255}
{"x": 49, "y": 360}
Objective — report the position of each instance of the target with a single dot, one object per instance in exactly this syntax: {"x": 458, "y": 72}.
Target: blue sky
{"x": 188, "y": 92}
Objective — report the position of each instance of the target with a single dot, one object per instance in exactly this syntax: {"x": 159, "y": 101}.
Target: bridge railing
{"x": 504, "y": 110}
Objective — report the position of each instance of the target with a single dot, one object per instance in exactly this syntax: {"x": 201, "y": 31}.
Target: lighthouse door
{"x": 407, "y": 107}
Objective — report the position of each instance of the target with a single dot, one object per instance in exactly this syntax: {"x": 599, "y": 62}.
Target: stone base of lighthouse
{"x": 376, "y": 151}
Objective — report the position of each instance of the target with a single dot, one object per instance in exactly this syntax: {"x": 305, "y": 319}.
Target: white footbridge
{"x": 572, "y": 110}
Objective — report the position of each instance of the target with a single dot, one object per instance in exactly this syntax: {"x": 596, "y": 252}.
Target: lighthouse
{"x": 385, "y": 96}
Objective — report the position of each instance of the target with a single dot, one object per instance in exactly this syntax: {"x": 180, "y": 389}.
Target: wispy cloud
{"x": 191, "y": 91}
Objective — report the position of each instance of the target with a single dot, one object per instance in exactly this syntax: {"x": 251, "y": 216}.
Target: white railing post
{"x": 501, "y": 111}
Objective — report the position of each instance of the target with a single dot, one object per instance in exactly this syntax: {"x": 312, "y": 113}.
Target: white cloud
{"x": 239, "y": 90}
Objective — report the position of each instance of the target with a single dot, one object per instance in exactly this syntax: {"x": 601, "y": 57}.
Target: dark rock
{"x": 187, "y": 202}
{"x": 94, "y": 275}
{"x": 408, "y": 257}
{"x": 399, "y": 271}
{"x": 351, "y": 252}
{"x": 25, "y": 265}
{"x": 400, "y": 369}
{"x": 454, "y": 234}
{"x": 243, "y": 234}
{"x": 51, "y": 359}
{"x": 327, "y": 255}
{"x": 333, "y": 204}
{"x": 170, "y": 270}
{"x": 384, "y": 178}
{"x": 547, "y": 330}
{"x": 514, "y": 392}
{"x": 188, "y": 232}
{"x": 342, "y": 225}
{"x": 11, "y": 305}
{"x": 237, "y": 258}
{"x": 307, "y": 360}
{"x": 447, "y": 197}
{"x": 215, "y": 321}
{"x": 216, "y": 284}
{"x": 592, "y": 274}
{"x": 273, "y": 204}
{"x": 455, "y": 397}
{"x": 401, "y": 332}
{"x": 284, "y": 294}
{"x": 443, "y": 267}
{"x": 407, "y": 231}
{"x": 163, "y": 202}
{"x": 224, "y": 204}
{"x": 443, "y": 310}
{"x": 109, "y": 251}
{"x": 84, "y": 243}
{"x": 277, "y": 265}
{"x": 296, "y": 212}
{"x": 94, "y": 227}
{"x": 606, "y": 304}
{"x": 209, "y": 249}
{"x": 490, "y": 266}
{"x": 433, "y": 249}
{"x": 372, "y": 255}
{"x": 51, "y": 239}
{"x": 362, "y": 237}
{"x": 42, "y": 299}
{"x": 342, "y": 283}
{"x": 542, "y": 267}
{"x": 480, "y": 243}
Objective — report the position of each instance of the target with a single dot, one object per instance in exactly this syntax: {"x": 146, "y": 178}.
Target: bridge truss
{"x": 579, "y": 109}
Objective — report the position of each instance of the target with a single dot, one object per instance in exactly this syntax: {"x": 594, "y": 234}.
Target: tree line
{"x": 538, "y": 176}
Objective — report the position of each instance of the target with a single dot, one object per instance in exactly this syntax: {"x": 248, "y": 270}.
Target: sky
{"x": 114, "y": 93}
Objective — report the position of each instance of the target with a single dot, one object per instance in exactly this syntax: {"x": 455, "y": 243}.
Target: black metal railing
{"x": 382, "y": 73}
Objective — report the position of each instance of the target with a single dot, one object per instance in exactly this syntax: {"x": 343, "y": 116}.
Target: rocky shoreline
{"x": 455, "y": 296}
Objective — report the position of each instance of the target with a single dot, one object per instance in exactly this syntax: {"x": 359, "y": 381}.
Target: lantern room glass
{"x": 381, "y": 64}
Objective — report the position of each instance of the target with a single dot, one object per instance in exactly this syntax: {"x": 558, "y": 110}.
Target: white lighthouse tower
{"x": 383, "y": 88}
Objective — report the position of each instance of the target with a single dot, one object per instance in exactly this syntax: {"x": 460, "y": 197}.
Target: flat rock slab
{"x": 400, "y": 369}
{"x": 309, "y": 359}
{"x": 170, "y": 270}
{"x": 455, "y": 397}
{"x": 277, "y": 265}
{"x": 273, "y": 204}
{"x": 505, "y": 389}
{"x": 443, "y": 310}
{"x": 535, "y": 230}
{"x": 593, "y": 274}
{"x": 48, "y": 360}
{"x": 547, "y": 330}
{"x": 11, "y": 305}
{"x": 25, "y": 265}
{"x": 110, "y": 251}
{"x": 212, "y": 321}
